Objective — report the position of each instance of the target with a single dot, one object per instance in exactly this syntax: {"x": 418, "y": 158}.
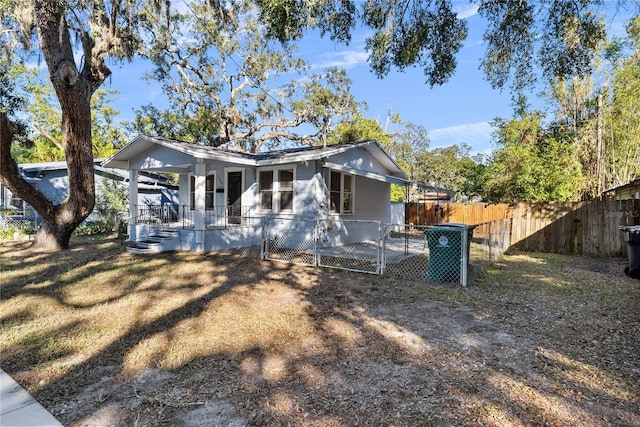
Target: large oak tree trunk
{"x": 74, "y": 93}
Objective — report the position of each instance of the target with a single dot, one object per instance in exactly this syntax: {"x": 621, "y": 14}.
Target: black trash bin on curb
{"x": 445, "y": 251}
{"x": 633, "y": 244}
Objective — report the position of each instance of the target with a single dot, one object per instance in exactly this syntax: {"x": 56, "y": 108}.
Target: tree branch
{"x": 11, "y": 177}
{"x": 48, "y": 136}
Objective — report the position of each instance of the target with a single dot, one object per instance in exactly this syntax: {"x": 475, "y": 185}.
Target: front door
{"x": 234, "y": 196}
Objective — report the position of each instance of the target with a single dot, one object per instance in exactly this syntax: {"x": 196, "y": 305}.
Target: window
{"x": 341, "y": 192}
{"x": 266, "y": 190}
{"x": 209, "y": 192}
{"x": 285, "y": 187}
{"x": 276, "y": 190}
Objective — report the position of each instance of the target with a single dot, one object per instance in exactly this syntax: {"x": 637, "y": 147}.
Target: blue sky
{"x": 459, "y": 111}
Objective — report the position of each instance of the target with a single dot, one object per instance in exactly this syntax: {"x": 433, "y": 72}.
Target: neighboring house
{"x": 627, "y": 191}
{"x": 51, "y": 178}
{"x": 223, "y": 193}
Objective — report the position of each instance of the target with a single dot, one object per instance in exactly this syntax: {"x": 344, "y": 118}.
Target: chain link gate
{"x": 436, "y": 254}
{"x": 354, "y": 245}
{"x": 344, "y": 244}
{"x": 291, "y": 240}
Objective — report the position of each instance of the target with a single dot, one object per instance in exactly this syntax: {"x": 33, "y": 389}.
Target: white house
{"x": 223, "y": 193}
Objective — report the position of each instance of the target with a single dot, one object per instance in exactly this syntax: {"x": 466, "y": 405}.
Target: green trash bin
{"x": 445, "y": 251}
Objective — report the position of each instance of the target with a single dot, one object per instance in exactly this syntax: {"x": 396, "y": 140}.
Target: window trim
{"x": 275, "y": 189}
{"x": 192, "y": 191}
{"x": 342, "y": 192}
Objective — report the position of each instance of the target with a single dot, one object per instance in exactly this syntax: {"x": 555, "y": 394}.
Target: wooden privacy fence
{"x": 463, "y": 213}
{"x": 574, "y": 227}
{"x": 557, "y": 227}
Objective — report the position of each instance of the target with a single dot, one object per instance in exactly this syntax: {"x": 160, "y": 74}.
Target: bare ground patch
{"x": 102, "y": 337}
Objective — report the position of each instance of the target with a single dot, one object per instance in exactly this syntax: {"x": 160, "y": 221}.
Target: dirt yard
{"x": 102, "y": 337}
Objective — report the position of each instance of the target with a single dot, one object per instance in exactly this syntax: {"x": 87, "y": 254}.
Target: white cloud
{"x": 477, "y": 135}
{"x": 343, "y": 59}
{"x": 466, "y": 11}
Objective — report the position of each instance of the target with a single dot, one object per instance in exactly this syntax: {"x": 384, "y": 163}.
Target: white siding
{"x": 359, "y": 159}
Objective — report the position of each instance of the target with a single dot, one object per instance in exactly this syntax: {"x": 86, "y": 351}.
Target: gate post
{"x": 316, "y": 237}
{"x": 263, "y": 245}
{"x": 464, "y": 258}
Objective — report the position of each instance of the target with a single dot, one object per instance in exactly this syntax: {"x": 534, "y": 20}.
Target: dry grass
{"x": 100, "y": 336}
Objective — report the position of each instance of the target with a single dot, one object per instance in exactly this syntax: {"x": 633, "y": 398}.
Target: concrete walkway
{"x": 18, "y": 408}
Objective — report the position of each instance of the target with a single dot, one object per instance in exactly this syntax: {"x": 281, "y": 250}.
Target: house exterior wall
{"x": 630, "y": 192}
{"x": 359, "y": 159}
{"x": 160, "y": 157}
{"x": 55, "y": 184}
{"x": 157, "y": 197}
{"x": 372, "y": 207}
{"x": 306, "y": 197}
{"x": 623, "y": 192}
{"x": 372, "y": 200}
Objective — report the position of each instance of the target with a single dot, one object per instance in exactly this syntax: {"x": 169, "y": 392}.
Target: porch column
{"x": 133, "y": 203}
{"x": 199, "y": 208}
{"x": 183, "y": 195}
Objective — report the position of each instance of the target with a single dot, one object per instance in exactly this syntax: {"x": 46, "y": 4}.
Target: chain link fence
{"x": 406, "y": 253}
{"x": 17, "y": 221}
{"x": 445, "y": 253}
{"x": 490, "y": 241}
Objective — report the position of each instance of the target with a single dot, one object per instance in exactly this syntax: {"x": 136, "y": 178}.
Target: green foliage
{"x": 44, "y": 115}
{"x": 92, "y": 229}
{"x": 531, "y": 165}
{"x": 112, "y": 195}
{"x": 359, "y": 128}
{"x": 448, "y": 167}
{"x": 227, "y": 83}
{"x": 622, "y": 149}
{"x": 600, "y": 116}
{"x": 111, "y": 202}
{"x": 150, "y": 120}
{"x": 7, "y": 233}
{"x": 12, "y": 97}
{"x": 398, "y": 193}
{"x": 406, "y": 146}
{"x": 561, "y": 36}
{"x": 414, "y": 33}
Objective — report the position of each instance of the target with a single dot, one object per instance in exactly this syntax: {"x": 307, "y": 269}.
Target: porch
{"x": 173, "y": 227}
{"x": 174, "y": 216}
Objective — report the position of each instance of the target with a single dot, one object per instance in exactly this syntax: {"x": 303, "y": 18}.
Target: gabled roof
{"x": 143, "y": 143}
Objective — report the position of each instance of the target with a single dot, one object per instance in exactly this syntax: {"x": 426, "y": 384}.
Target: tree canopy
{"x": 228, "y": 84}
{"x": 560, "y": 37}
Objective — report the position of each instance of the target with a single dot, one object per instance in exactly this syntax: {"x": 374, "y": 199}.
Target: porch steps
{"x": 158, "y": 241}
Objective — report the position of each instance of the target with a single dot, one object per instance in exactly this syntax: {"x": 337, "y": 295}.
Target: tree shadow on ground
{"x": 259, "y": 343}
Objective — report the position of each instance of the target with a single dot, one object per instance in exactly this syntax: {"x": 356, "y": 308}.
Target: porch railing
{"x": 218, "y": 217}
{"x": 162, "y": 215}
{"x": 171, "y": 215}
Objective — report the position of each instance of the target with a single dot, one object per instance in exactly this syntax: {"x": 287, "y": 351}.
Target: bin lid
{"x": 456, "y": 225}
{"x": 630, "y": 228}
